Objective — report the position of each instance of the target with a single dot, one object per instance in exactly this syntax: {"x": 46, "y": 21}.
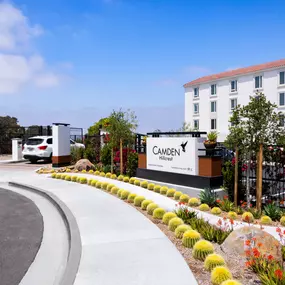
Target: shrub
{"x": 83, "y": 180}
{"x": 167, "y": 217}
{"x": 84, "y": 171}
{"x": 213, "y": 260}
{"x": 282, "y": 221}
{"x": 125, "y": 194}
{"x": 216, "y": 211}
{"x": 232, "y": 215}
{"x": 138, "y": 201}
{"x": 126, "y": 179}
{"x": 109, "y": 187}
{"x": 97, "y": 172}
{"x": 156, "y": 188}
{"x": 102, "y": 174}
{"x": 53, "y": 175}
{"x": 91, "y": 171}
{"x": 194, "y": 202}
{"x": 220, "y": 274}
{"x": 145, "y": 203}
{"x": 256, "y": 213}
{"x": 226, "y": 205}
{"x": 150, "y": 186}
{"x": 202, "y": 249}
{"x": 93, "y": 182}
{"x": 177, "y": 195}
{"x": 144, "y": 184}
{"x": 151, "y": 207}
{"x": 68, "y": 178}
{"x": 137, "y": 182}
{"x": 247, "y": 217}
{"x": 231, "y": 282}
{"x": 265, "y": 220}
{"x": 104, "y": 185}
{"x": 273, "y": 212}
{"x": 132, "y": 180}
{"x": 108, "y": 175}
{"x": 131, "y": 197}
{"x": 114, "y": 190}
{"x": 58, "y": 176}
{"x": 76, "y": 153}
{"x": 132, "y": 163}
{"x": 120, "y": 178}
{"x": 174, "y": 223}
{"x": 170, "y": 192}
{"x": 180, "y": 230}
{"x": 98, "y": 184}
{"x": 74, "y": 178}
{"x": 158, "y": 213}
{"x": 183, "y": 213}
{"x": 208, "y": 196}
{"x": 190, "y": 237}
{"x": 204, "y": 207}
{"x": 163, "y": 190}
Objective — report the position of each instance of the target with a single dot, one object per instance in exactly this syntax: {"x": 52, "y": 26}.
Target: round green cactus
{"x": 98, "y": 184}
{"x": 131, "y": 197}
{"x": 97, "y": 172}
{"x": 144, "y": 184}
{"x": 220, "y": 274}
{"x": 194, "y": 202}
{"x": 83, "y": 180}
{"x": 120, "y": 178}
{"x": 204, "y": 207}
{"x": 53, "y": 175}
{"x": 109, "y": 187}
{"x": 232, "y": 215}
{"x": 104, "y": 185}
{"x": 282, "y": 221}
{"x": 74, "y": 178}
{"x": 58, "y": 176}
{"x": 157, "y": 188}
{"x": 163, "y": 190}
{"x": 167, "y": 217}
{"x": 137, "y": 182}
{"x": 91, "y": 171}
{"x": 67, "y": 170}
{"x": 126, "y": 179}
{"x": 151, "y": 207}
{"x": 125, "y": 194}
{"x": 177, "y": 195}
{"x": 78, "y": 179}
{"x": 138, "y": 201}
{"x": 114, "y": 190}
{"x": 68, "y": 178}
{"x": 231, "y": 282}
{"x": 174, "y": 223}
{"x": 213, "y": 260}
{"x": 89, "y": 181}
{"x": 114, "y": 176}
{"x": 83, "y": 171}
{"x": 184, "y": 198}
{"x": 202, "y": 249}
{"x": 102, "y": 174}
{"x": 247, "y": 217}
{"x": 170, "y": 192}
{"x": 190, "y": 238}
{"x": 93, "y": 182}
{"x": 180, "y": 230}
{"x": 132, "y": 180}
{"x": 265, "y": 220}
{"x": 158, "y": 213}
{"x": 119, "y": 192}
{"x": 108, "y": 175}
{"x": 216, "y": 211}
{"x": 145, "y": 203}
{"x": 63, "y": 176}
{"x": 150, "y": 186}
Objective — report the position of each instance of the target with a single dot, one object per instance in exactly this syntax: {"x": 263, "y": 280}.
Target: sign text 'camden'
{"x": 166, "y": 153}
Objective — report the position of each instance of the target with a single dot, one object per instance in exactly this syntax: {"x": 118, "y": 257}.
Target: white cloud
{"x": 47, "y": 80}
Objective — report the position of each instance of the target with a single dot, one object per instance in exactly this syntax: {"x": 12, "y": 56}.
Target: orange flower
{"x": 270, "y": 257}
{"x": 259, "y": 244}
{"x": 226, "y": 197}
{"x": 247, "y": 242}
{"x": 256, "y": 252}
{"x": 247, "y": 252}
{"x": 231, "y": 221}
{"x": 248, "y": 264}
{"x": 218, "y": 201}
{"x": 278, "y": 273}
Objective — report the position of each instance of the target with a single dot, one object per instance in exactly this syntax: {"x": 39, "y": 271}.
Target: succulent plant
{"x": 78, "y": 179}
{"x": 247, "y": 217}
{"x": 180, "y": 230}
{"x": 231, "y": 282}
{"x": 150, "y": 186}
{"x": 158, "y": 213}
{"x": 170, "y": 192}
{"x": 63, "y": 176}
{"x": 83, "y": 171}
{"x": 114, "y": 190}
{"x": 216, "y": 211}
{"x": 145, "y": 203}
{"x": 156, "y": 188}
{"x": 83, "y": 180}
{"x": 67, "y": 170}
{"x": 102, "y": 174}
{"x": 93, "y": 182}
{"x": 144, "y": 184}
{"x": 204, "y": 207}
{"x": 119, "y": 192}
{"x": 76, "y": 171}
{"x": 91, "y": 171}
{"x": 53, "y": 175}
{"x": 138, "y": 201}
{"x": 220, "y": 274}
{"x": 163, "y": 190}
{"x": 98, "y": 184}
{"x": 109, "y": 187}
{"x": 104, "y": 185}
{"x": 184, "y": 198}
{"x": 194, "y": 202}
{"x": 126, "y": 179}
{"x": 132, "y": 180}
{"x": 151, "y": 207}
{"x": 97, "y": 172}
{"x": 114, "y": 176}
{"x": 58, "y": 176}
{"x": 213, "y": 260}
{"x": 202, "y": 249}
{"x": 232, "y": 215}
{"x": 108, "y": 175}
{"x": 125, "y": 194}
{"x": 174, "y": 223}
{"x": 89, "y": 181}
{"x": 190, "y": 237}
{"x": 68, "y": 178}
{"x": 167, "y": 217}
{"x": 74, "y": 178}
{"x": 282, "y": 221}
{"x": 131, "y": 197}
{"x": 120, "y": 178}
{"x": 265, "y": 220}
{"x": 177, "y": 195}
{"x": 137, "y": 182}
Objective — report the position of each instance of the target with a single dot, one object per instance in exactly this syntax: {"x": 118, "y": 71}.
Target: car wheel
{"x": 33, "y": 161}
{"x": 50, "y": 158}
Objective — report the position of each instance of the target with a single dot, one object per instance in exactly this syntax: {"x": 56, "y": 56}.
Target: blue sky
{"x": 74, "y": 61}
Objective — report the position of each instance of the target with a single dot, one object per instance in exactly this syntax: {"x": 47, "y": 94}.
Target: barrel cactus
{"x": 58, "y": 176}
{"x": 104, "y": 185}
{"x": 63, "y": 176}
{"x": 138, "y": 201}
{"x": 114, "y": 190}
{"x": 204, "y": 207}
{"x": 120, "y": 178}
{"x": 97, "y": 172}
{"x": 126, "y": 179}
{"x": 194, "y": 202}
{"x": 108, "y": 175}
{"x": 144, "y": 184}
{"x": 131, "y": 197}
{"x": 150, "y": 186}
{"x": 247, "y": 217}
{"x": 184, "y": 198}
{"x": 220, "y": 274}
{"x": 132, "y": 180}
{"x": 265, "y": 220}
{"x": 114, "y": 176}
{"x": 98, "y": 184}
{"x": 151, "y": 207}
{"x": 125, "y": 194}
{"x": 93, "y": 182}
{"x": 119, "y": 192}
{"x": 231, "y": 282}
{"x": 109, "y": 187}
{"x": 232, "y": 215}
{"x": 83, "y": 180}
{"x": 137, "y": 182}
{"x": 170, "y": 192}
{"x": 145, "y": 203}
{"x": 156, "y": 188}
{"x": 78, "y": 179}
{"x": 163, "y": 190}
{"x": 282, "y": 221}
{"x": 91, "y": 171}
{"x": 89, "y": 181}
{"x": 216, "y": 211}
{"x": 202, "y": 249}
{"x": 53, "y": 175}
{"x": 83, "y": 171}
{"x": 180, "y": 230}
{"x": 68, "y": 178}
{"x": 190, "y": 237}
{"x": 177, "y": 195}
{"x": 102, "y": 174}
{"x": 74, "y": 178}
{"x": 167, "y": 217}
{"x": 213, "y": 260}
{"x": 158, "y": 213}
{"x": 67, "y": 170}
{"x": 174, "y": 223}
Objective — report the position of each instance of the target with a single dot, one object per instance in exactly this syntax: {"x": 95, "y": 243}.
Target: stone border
{"x": 75, "y": 245}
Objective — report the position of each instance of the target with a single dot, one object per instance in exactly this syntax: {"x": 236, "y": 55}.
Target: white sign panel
{"x": 174, "y": 154}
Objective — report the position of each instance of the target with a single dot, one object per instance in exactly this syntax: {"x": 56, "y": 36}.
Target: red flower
{"x": 226, "y": 197}
{"x": 270, "y": 257}
{"x": 232, "y": 221}
{"x": 219, "y": 222}
{"x": 247, "y": 242}
{"x": 278, "y": 230}
{"x": 278, "y": 273}
{"x": 247, "y": 252}
{"x": 256, "y": 252}
{"x": 254, "y": 239}
{"x": 218, "y": 201}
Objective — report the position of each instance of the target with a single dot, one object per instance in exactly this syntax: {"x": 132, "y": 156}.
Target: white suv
{"x": 40, "y": 147}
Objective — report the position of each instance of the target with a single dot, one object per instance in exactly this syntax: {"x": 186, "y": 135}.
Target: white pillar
{"x": 17, "y": 149}
{"x": 60, "y": 145}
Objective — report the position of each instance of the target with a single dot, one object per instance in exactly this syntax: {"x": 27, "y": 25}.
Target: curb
{"x": 75, "y": 245}
{"x": 13, "y": 161}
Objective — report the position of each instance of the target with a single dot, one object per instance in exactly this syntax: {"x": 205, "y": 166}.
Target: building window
{"x": 196, "y": 108}
{"x": 196, "y": 124}
{"x": 233, "y": 85}
{"x": 213, "y": 107}
{"x": 282, "y": 120}
{"x": 213, "y": 89}
{"x": 196, "y": 92}
{"x": 258, "y": 82}
{"x": 213, "y": 124}
{"x": 233, "y": 103}
{"x": 282, "y": 78}
{"x": 281, "y": 99}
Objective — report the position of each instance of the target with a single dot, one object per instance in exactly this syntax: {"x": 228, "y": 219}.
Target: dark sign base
{"x": 181, "y": 179}
{"x": 60, "y": 164}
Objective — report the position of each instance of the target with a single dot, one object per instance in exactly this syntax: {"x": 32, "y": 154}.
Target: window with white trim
{"x": 233, "y": 85}
{"x": 196, "y": 92}
{"x": 258, "y": 82}
{"x": 196, "y": 124}
{"x": 282, "y": 99}
{"x": 214, "y": 89}
{"x": 282, "y": 78}
{"x": 213, "y": 124}
{"x": 213, "y": 106}
{"x": 196, "y": 108}
{"x": 233, "y": 103}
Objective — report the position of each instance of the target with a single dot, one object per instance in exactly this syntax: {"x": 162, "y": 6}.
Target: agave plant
{"x": 273, "y": 212}
{"x": 207, "y": 196}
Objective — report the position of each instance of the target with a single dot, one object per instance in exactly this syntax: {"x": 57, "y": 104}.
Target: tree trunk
{"x": 247, "y": 181}
{"x": 112, "y": 160}
{"x": 121, "y": 157}
{"x": 236, "y": 180}
{"x": 259, "y": 178}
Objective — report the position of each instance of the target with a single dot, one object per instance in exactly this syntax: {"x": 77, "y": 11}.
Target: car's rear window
{"x": 34, "y": 141}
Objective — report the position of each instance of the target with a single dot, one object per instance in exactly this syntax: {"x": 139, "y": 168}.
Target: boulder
{"x": 235, "y": 242}
{"x": 84, "y": 164}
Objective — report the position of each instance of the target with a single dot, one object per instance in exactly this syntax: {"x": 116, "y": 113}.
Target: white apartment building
{"x": 209, "y": 100}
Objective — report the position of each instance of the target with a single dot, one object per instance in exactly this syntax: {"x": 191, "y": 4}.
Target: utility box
{"x": 17, "y": 149}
